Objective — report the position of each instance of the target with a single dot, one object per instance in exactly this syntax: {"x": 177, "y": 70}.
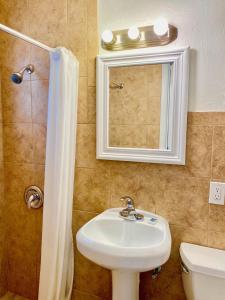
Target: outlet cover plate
{"x": 217, "y": 193}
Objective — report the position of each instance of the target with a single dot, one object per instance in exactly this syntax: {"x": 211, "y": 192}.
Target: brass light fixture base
{"x": 148, "y": 38}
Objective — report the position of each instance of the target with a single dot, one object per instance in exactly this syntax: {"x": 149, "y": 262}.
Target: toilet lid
{"x": 203, "y": 259}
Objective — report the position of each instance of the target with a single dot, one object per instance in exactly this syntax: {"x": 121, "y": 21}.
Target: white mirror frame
{"x": 179, "y": 88}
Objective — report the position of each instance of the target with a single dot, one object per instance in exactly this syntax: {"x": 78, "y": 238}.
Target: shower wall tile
{"x": 3, "y": 12}
{"x": 21, "y": 232}
{"x": 16, "y": 101}
{"x": 77, "y": 30}
{"x": 2, "y": 178}
{"x": 39, "y": 91}
{"x": 39, "y": 175}
{"x": 14, "y": 45}
{"x": 1, "y": 117}
{"x": 92, "y": 40}
{"x": 15, "y": 14}
{"x": 39, "y": 143}
{"x": 19, "y": 283}
{"x": 17, "y": 178}
{"x": 91, "y": 107}
{"x": 40, "y": 59}
{"x": 23, "y": 236}
{"x": 18, "y": 143}
{"x": 3, "y": 261}
{"x": 75, "y": 6}
{"x": 78, "y": 45}
{"x": 1, "y": 145}
{"x": 82, "y": 101}
{"x": 8, "y": 60}
{"x": 47, "y": 17}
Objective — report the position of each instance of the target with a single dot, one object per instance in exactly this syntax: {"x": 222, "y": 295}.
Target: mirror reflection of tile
{"x": 134, "y": 109}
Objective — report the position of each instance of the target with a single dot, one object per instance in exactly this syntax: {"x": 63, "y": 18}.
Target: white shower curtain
{"x": 57, "y": 261}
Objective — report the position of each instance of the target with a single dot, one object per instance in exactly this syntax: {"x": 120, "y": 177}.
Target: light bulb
{"x": 161, "y": 26}
{"x": 134, "y": 33}
{"x": 107, "y": 36}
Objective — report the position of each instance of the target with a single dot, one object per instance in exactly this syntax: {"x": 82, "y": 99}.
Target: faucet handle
{"x": 129, "y": 202}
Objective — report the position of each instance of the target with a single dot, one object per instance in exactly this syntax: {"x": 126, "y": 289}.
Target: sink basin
{"x": 126, "y": 247}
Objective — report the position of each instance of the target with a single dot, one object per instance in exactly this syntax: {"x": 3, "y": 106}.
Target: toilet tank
{"x": 203, "y": 272}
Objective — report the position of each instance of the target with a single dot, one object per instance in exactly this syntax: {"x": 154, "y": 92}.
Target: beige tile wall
{"x": 2, "y": 210}
{"x": 2, "y": 198}
{"x": 180, "y": 193}
{"x": 134, "y": 111}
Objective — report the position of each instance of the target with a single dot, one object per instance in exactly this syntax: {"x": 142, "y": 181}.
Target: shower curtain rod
{"x": 25, "y": 38}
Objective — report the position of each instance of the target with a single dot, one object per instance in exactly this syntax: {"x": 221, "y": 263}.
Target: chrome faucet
{"x": 129, "y": 213}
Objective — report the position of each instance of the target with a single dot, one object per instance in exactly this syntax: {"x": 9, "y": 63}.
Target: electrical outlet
{"x": 217, "y": 193}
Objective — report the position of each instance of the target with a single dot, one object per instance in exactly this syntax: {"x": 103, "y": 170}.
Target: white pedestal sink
{"x": 125, "y": 247}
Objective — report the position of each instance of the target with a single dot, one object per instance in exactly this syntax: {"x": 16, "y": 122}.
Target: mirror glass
{"x": 139, "y": 105}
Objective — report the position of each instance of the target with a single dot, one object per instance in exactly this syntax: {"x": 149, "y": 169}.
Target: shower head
{"x": 17, "y": 77}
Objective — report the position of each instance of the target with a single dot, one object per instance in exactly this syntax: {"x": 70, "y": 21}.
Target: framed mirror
{"x": 142, "y": 106}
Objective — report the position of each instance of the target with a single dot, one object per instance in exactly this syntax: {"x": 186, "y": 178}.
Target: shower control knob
{"x": 33, "y": 197}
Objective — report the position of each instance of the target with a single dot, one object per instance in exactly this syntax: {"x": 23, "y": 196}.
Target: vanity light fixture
{"x": 159, "y": 34}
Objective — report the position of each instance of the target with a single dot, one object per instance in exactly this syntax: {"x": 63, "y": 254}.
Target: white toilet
{"x": 203, "y": 272}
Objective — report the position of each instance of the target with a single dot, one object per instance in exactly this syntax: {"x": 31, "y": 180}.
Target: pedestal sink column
{"x": 125, "y": 285}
